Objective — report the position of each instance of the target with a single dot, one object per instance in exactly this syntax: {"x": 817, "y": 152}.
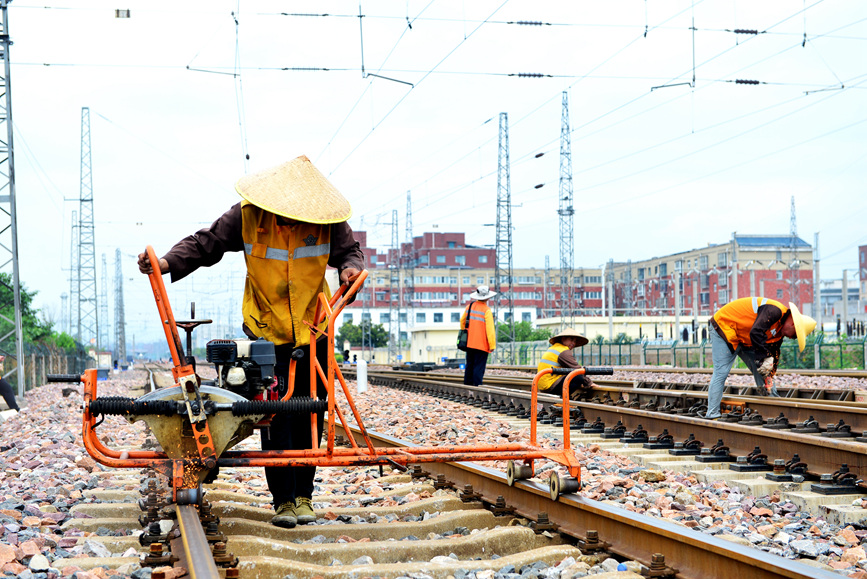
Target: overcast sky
{"x": 655, "y": 171}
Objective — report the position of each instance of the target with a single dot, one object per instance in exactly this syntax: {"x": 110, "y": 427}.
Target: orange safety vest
{"x": 550, "y": 359}
{"x": 477, "y": 327}
{"x": 285, "y": 274}
{"x": 736, "y": 319}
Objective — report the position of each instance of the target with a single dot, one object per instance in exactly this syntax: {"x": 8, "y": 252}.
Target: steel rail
{"x": 197, "y": 556}
{"x": 630, "y": 535}
{"x": 822, "y": 455}
{"x": 678, "y": 370}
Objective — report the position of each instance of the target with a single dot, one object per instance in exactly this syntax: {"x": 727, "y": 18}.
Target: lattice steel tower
{"x": 11, "y": 335}
{"x": 102, "y": 343}
{"x": 794, "y": 264}
{"x": 88, "y": 318}
{"x": 119, "y": 321}
{"x": 503, "y": 266}
{"x": 409, "y": 264}
{"x": 566, "y": 211}
{"x": 394, "y": 292}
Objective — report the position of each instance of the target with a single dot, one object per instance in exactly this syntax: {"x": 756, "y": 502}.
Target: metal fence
{"x": 40, "y": 360}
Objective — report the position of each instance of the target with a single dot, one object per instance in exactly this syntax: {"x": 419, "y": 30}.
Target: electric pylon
{"x": 794, "y": 263}
{"x": 409, "y": 264}
{"x": 88, "y": 317}
{"x": 503, "y": 267}
{"x": 566, "y": 211}
{"x": 12, "y": 341}
{"x": 102, "y": 343}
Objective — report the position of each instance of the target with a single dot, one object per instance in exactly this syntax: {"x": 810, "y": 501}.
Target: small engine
{"x": 245, "y": 367}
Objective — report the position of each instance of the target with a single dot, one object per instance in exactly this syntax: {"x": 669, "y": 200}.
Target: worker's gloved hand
{"x": 767, "y": 366}
{"x": 144, "y": 264}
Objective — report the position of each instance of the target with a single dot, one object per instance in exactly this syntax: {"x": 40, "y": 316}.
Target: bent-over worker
{"x": 290, "y": 225}
{"x": 752, "y": 329}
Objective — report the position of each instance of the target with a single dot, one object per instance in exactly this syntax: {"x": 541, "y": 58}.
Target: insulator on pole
{"x": 746, "y": 81}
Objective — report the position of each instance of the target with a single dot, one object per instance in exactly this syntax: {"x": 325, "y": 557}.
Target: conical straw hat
{"x": 570, "y": 333}
{"x": 296, "y": 190}
{"x": 803, "y": 325}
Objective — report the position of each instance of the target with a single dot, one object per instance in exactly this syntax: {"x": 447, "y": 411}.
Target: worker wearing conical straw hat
{"x": 752, "y": 329}
{"x": 291, "y": 224}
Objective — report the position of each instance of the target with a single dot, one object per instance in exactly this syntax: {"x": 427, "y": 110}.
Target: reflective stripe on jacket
{"x": 735, "y": 320}
{"x": 285, "y": 274}
{"x": 481, "y": 333}
{"x": 550, "y": 359}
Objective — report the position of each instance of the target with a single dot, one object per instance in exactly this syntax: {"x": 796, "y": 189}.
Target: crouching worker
{"x": 559, "y": 355}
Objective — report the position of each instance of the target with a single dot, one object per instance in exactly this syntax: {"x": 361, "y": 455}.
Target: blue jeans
{"x": 723, "y": 360}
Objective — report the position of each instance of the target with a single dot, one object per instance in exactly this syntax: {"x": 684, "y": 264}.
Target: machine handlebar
{"x": 588, "y": 371}
{"x": 74, "y": 378}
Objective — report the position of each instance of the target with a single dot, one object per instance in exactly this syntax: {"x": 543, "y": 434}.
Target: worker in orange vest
{"x": 752, "y": 329}
{"x": 482, "y": 337}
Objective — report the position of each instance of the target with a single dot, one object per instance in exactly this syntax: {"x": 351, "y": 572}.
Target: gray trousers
{"x": 723, "y": 360}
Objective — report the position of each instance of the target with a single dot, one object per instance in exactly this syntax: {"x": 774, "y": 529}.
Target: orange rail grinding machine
{"x": 196, "y": 423}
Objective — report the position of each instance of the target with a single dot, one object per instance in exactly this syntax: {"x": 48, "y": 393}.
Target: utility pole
{"x": 817, "y": 284}
{"x": 394, "y": 293}
{"x": 88, "y": 318}
{"x": 409, "y": 265}
{"x": 102, "y": 343}
{"x": 610, "y": 282}
{"x": 734, "y": 269}
{"x": 12, "y": 341}
{"x": 503, "y": 267}
{"x": 794, "y": 263}
{"x": 566, "y": 211}
{"x": 119, "y": 322}
{"x": 73, "y": 278}
{"x": 545, "y": 286}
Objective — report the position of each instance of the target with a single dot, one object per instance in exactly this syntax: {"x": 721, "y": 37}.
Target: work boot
{"x": 285, "y": 516}
{"x": 304, "y": 510}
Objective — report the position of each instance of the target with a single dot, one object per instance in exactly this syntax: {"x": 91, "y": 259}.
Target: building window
{"x": 404, "y": 336}
{"x": 402, "y": 317}
{"x": 526, "y": 317}
{"x": 678, "y": 265}
{"x": 722, "y": 260}
{"x": 438, "y": 318}
{"x": 456, "y": 317}
{"x": 347, "y": 318}
{"x": 779, "y": 294}
{"x": 480, "y": 280}
{"x": 441, "y": 259}
{"x": 420, "y": 317}
{"x": 702, "y": 262}
{"x": 779, "y": 255}
{"x": 461, "y": 259}
{"x": 465, "y": 280}
{"x": 483, "y": 259}
{"x": 779, "y": 275}
{"x": 453, "y": 281}
{"x": 365, "y": 317}
{"x": 424, "y": 259}
{"x": 507, "y": 316}
{"x": 451, "y": 244}
{"x": 384, "y": 318}
{"x": 705, "y": 298}
{"x": 663, "y": 269}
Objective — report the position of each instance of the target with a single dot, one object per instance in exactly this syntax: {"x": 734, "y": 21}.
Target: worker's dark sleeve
{"x": 567, "y": 360}
{"x": 207, "y": 246}
{"x": 345, "y": 251}
{"x": 767, "y": 316}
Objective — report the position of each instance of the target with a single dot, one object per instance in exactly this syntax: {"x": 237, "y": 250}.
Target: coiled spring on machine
{"x": 122, "y": 406}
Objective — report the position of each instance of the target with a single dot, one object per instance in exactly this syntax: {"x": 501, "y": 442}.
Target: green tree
{"x": 351, "y": 333}
{"x": 34, "y": 329}
{"x": 524, "y": 332}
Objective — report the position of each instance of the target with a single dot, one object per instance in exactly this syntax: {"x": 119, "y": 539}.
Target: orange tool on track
{"x": 190, "y": 450}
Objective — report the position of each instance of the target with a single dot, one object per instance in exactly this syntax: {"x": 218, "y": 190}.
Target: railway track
{"x": 464, "y": 515}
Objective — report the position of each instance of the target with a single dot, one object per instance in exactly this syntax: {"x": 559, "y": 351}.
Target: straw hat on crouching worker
{"x": 296, "y": 190}
{"x": 803, "y": 325}
{"x": 570, "y": 333}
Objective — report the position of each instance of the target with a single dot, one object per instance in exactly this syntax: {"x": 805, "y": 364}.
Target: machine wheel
{"x": 558, "y": 485}
{"x": 517, "y": 471}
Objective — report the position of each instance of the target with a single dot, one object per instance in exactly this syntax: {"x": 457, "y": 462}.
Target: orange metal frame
{"x": 327, "y": 312}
